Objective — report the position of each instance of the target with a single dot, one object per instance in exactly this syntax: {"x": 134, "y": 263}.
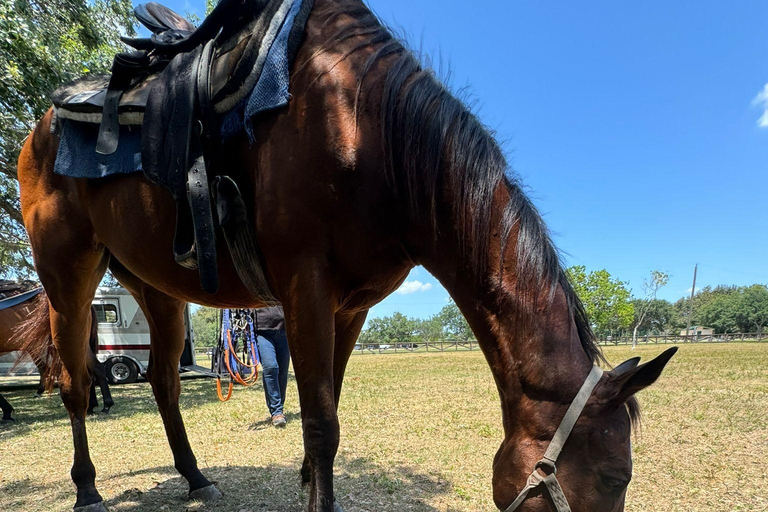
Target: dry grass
{"x": 418, "y": 433}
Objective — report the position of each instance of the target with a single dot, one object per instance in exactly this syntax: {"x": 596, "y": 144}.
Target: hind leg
{"x": 165, "y": 315}
{"x": 41, "y": 366}
{"x": 106, "y": 394}
{"x": 71, "y": 291}
{"x": 6, "y": 408}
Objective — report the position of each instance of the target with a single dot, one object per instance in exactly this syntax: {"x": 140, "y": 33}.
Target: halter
{"x": 545, "y": 470}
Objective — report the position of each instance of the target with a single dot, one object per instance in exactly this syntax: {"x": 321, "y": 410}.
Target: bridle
{"x": 545, "y": 470}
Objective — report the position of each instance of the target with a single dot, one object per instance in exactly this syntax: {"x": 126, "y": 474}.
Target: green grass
{"x": 418, "y": 433}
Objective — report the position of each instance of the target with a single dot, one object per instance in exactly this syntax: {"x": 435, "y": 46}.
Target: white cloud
{"x": 761, "y": 101}
{"x": 409, "y": 287}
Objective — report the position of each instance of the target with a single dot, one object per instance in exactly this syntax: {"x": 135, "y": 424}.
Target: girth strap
{"x": 545, "y": 471}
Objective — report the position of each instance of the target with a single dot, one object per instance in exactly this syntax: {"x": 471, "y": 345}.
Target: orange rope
{"x": 250, "y": 380}
{"x": 218, "y": 390}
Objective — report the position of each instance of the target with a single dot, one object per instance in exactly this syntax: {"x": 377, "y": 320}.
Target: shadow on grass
{"x": 360, "y": 486}
{"x": 130, "y": 399}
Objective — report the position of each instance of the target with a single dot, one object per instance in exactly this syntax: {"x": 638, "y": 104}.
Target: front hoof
{"x": 7, "y": 420}
{"x": 337, "y": 507}
{"x": 93, "y": 507}
{"x": 105, "y": 410}
{"x": 208, "y": 494}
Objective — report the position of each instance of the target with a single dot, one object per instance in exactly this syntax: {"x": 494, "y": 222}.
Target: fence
{"x": 426, "y": 346}
{"x": 685, "y": 338}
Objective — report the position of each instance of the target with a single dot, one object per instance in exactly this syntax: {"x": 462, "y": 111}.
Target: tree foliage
{"x": 606, "y": 300}
{"x": 205, "y": 324}
{"x": 661, "y": 317}
{"x": 448, "y": 324}
{"x": 43, "y": 45}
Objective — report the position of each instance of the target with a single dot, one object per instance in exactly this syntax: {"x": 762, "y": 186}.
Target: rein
{"x": 236, "y": 325}
{"x": 545, "y": 471}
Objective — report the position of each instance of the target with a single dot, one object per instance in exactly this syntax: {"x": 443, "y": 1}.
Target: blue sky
{"x": 636, "y": 127}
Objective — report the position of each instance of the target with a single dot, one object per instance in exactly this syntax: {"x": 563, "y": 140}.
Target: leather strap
{"x": 546, "y": 470}
{"x": 124, "y": 68}
{"x": 198, "y": 192}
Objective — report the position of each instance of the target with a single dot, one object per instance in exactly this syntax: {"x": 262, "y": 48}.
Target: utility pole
{"x": 690, "y": 304}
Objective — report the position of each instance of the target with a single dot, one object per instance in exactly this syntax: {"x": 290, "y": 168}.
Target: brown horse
{"x": 373, "y": 168}
{"x": 19, "y": 326}
{"x": 10, "y": 319}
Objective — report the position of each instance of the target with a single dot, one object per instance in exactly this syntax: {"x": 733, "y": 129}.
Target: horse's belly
{"x": 136, "y": 222}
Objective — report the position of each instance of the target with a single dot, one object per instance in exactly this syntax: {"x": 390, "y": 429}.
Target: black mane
{"x": 432, "y": 138}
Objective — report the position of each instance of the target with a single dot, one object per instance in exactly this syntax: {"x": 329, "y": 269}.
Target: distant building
{"x": 698, "y": 330}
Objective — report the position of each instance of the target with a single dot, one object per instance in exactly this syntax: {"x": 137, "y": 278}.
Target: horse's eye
{"x": 613, "y": 483}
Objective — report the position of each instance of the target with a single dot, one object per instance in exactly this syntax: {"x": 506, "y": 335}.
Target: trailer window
{"x": 106, "y": 313}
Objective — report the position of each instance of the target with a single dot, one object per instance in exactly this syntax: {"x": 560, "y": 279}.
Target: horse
{"x": 16, "y": 329}
{"x": 10, "y": 318}
{"x": 374, "y": 167}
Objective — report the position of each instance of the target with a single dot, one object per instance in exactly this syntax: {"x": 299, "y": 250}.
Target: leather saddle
{"x": 176, "y": 84}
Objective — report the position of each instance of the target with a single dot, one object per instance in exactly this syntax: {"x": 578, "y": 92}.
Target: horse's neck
{"x": 534, "y": 353}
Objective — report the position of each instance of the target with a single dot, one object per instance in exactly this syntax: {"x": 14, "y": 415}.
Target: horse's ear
{"x": 631, "y": 380}
{"x": 627, "y": 365}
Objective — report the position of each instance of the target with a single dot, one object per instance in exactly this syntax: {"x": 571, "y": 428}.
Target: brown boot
{"x": 279, "y": 421}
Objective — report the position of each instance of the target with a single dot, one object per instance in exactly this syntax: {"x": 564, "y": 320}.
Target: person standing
{"x": 272, "y": 344}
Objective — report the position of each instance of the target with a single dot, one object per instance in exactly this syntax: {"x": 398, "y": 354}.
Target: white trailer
{"x": 123, "y": 339}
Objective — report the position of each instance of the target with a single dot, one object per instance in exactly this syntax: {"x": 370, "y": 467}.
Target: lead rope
{"x": 236, "y": 325}
{"x": 545, "y": 470}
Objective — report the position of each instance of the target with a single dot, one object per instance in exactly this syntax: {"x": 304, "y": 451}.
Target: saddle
{"x": 176, "y": 84}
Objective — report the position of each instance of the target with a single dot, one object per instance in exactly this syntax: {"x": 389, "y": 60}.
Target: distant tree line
{"x": 610, "y": 305}
{"x": 614, "y": 311}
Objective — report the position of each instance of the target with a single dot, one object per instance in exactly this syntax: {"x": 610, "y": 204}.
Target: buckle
{"x": 546, "y": 466}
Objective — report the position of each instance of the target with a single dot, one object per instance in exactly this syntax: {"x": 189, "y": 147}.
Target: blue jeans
{"x": 275, "y": 357}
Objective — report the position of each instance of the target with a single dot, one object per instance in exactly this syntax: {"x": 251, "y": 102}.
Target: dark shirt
{"x": 269, "y": 319}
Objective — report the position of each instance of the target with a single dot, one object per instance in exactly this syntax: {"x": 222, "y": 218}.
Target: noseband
{"x": 545, "y": 470}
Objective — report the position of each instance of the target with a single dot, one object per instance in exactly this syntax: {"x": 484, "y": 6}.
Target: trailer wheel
{"x": 121, "y": 370}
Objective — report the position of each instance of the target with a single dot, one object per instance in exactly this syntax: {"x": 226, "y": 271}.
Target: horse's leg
{"x": 106, "y": 395}
{"x": 310, "y": 323}
{"x": 165, "y": 315}
{"x": 70, "y": 290}
{"x": 6, "y": 408}
{"x": 41, "y": 367}
{"x": 93, "y": 402}
{"x": 348, "y": 327}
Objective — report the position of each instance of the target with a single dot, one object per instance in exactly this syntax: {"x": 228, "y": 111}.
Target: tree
{"x": 430, "y": 329}
{"x": 42, "y": 45}
{"x": 754, "y": 306}
{"x": 205, "y": 323}
{"x": 605, "y": 299}
{"x": 392, "y": 330}
{"x": 651, "y": 287}
{"x": 660, "y": 318}
{"x": 454, "y": 324}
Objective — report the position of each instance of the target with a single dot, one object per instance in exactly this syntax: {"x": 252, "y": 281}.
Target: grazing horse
{"x": 10, "y": 318}
{"x": 25, "y": 327}
{"x": 374, "y": 167}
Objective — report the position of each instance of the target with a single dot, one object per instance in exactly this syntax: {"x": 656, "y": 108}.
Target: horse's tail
{"x": 33, "y": 336}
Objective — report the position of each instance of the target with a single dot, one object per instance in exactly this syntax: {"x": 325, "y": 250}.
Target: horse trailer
{"x": 123, "y": 339}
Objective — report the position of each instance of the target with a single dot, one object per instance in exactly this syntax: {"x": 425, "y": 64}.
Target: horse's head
{"x": 595, "y": 464}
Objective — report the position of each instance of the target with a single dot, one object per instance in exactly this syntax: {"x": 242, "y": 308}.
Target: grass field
{"x": 419, "y": 432}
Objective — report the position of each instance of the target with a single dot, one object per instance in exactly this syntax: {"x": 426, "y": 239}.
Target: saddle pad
{"x": 18, "y": 299}
{"x": 77, "y": 156}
